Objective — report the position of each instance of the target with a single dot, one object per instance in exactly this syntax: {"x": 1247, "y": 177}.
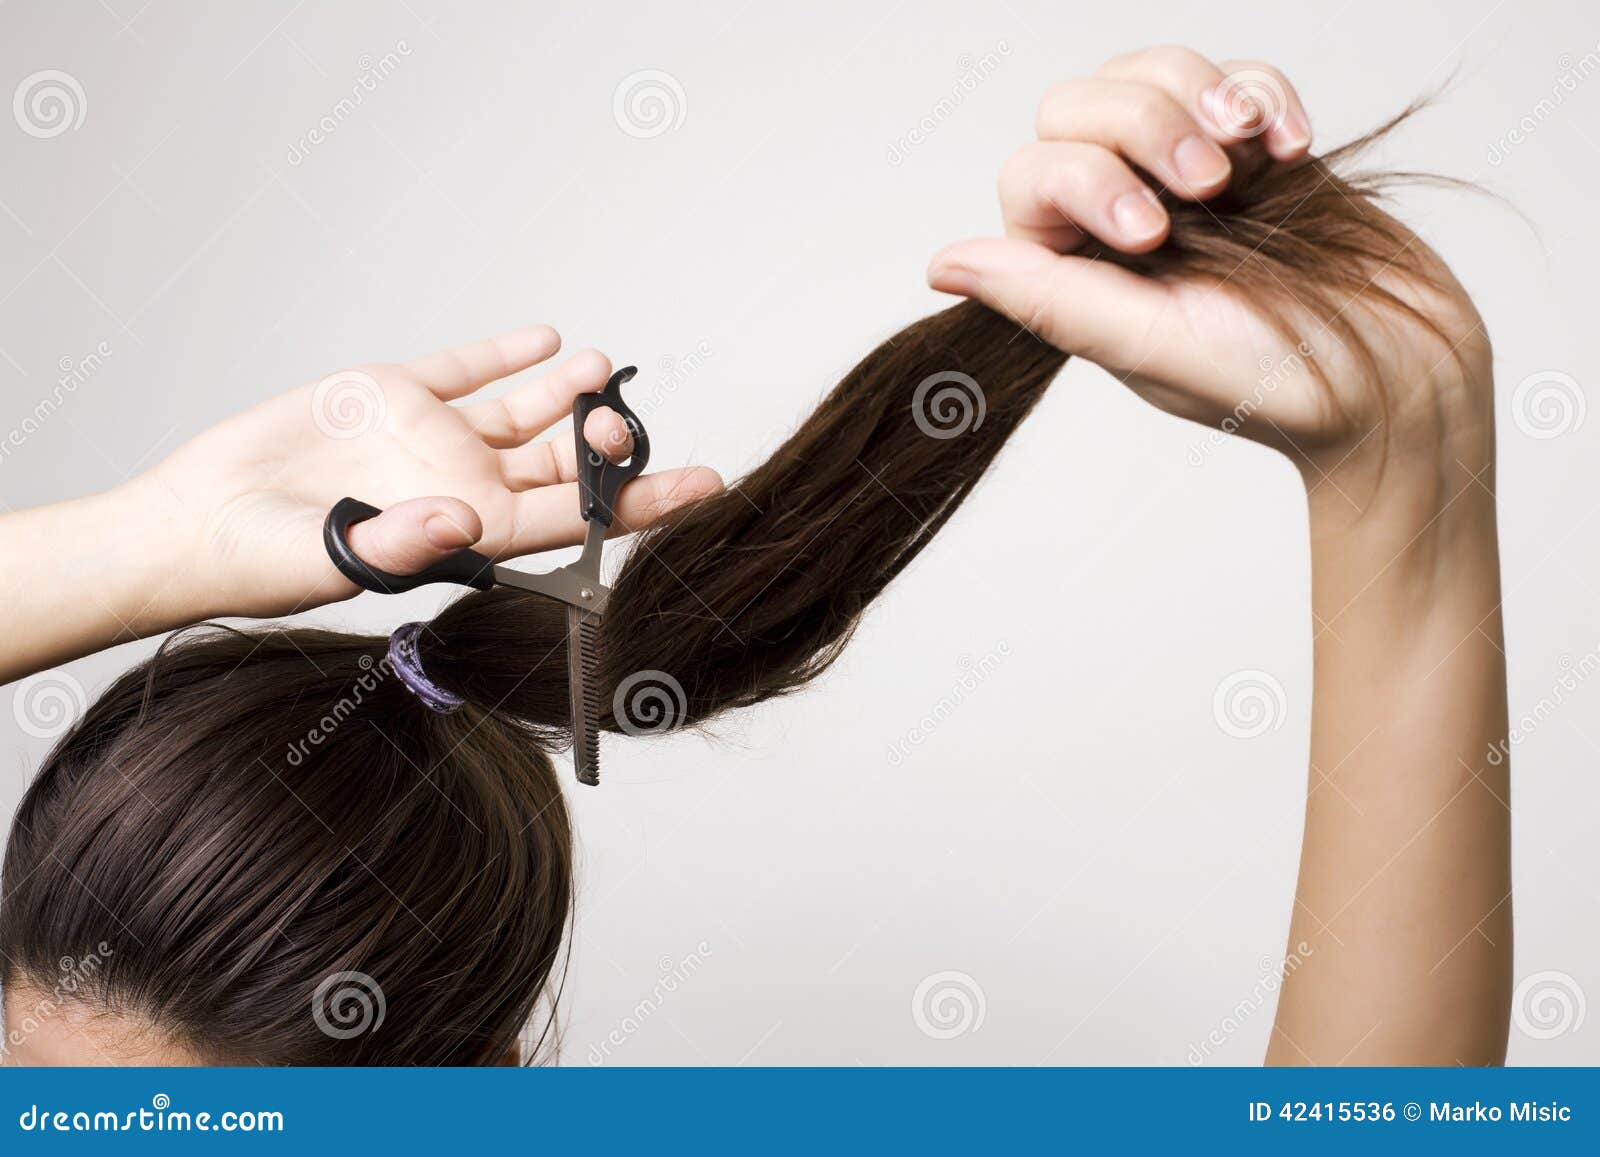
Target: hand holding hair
{"x": 1304, "y": 322}
{"x": 1255, "y": 290}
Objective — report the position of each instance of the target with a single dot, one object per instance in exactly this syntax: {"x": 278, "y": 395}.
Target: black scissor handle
{"x": 465, "y": 568}
{"x": 599, "y": 478}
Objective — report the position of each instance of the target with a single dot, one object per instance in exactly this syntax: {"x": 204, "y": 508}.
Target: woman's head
{"x": 275, "y": 853}
{"x": 266, "y": 846}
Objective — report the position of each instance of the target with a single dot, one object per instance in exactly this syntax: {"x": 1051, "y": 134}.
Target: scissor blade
{"x": 583, "y": 673}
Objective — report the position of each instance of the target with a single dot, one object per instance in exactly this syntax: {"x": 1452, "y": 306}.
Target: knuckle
{"x": 1145, "y": 106}
{"x": 1065, "y": 184}
{"x": 593, "y": 358}
{"x": 382, "y": 551}
{"x": 1016, "y": 171}
{"x": 1119, "y": 64}
{"x": 500, "y": 357}
{"x": 1176, "y": 58}
{"x": 1157, "y": 56}
{"x": 498, "y": 420}
{"x": 1061, "y": 95}
{"x": 1020, "y": 176}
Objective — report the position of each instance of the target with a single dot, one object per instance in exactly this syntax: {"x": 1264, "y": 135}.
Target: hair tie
{"x": 403, "y": 657}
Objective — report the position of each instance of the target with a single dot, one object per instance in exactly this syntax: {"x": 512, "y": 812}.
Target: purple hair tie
{"x": 407, "y": 663}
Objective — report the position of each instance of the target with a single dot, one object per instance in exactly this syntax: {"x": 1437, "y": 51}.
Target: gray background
{"x": 1108, "y": 868}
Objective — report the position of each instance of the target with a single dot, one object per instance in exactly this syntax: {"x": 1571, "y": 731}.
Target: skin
{"x": 1404, "y": 894}
{"x": 42, "y": 1031}
{"x": 230, "y": 524}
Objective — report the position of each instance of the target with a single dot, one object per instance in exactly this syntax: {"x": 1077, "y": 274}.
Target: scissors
{"x": 577, "y": 584}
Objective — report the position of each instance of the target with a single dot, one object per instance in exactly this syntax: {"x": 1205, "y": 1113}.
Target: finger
{"x": 1280, "y": 116}
{"x": 456, "y": 372}
{"x": 548, "y": 517}
{"x": 1051, "y": 190}
{"x": 1182, "y": 74}
{"x": 605, "y": 430}
{"x": 1089, "y": 308}
{"x": 530, "y": 409}
{"x": 652, "y": 496}
{"x": 1247, "y": 110}
{"x": 555, "y": 461}
{"x": 411, "y": 536}
{"x": 1141, "y": 123}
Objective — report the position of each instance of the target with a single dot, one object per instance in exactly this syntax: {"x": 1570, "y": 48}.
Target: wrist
{"x": 1415, "y": 466}
{"x": 144, "y": 559}
{"x": 1412, "y": 451}
{"x": 100, "y": 573}
{"x": 1411, "y": 543}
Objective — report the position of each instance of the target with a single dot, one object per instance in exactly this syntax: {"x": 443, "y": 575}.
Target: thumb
{"x": 413, "y": 535}
{"x": 1081, "y": 306}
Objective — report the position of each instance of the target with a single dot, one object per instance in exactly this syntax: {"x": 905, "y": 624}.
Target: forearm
{"x": 87, "y": 574}
{"x": 1404, "y": 896}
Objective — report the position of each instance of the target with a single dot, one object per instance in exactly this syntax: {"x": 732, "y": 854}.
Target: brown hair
{"x": 296, "y": 862}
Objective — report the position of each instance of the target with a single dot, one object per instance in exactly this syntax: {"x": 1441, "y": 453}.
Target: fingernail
{"x": 1138, "y": 215}
{"x": 1199, "y": 162}
{"x": 444, "y": 533}
{"x": 953, "y": 279}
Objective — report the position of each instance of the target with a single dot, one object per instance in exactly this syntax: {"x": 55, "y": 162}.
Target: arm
{"x": 1404, "y": 897}
{"x": 81, "y": 576}
{"x": 231, "y": 523}
{"x": 1378, "y": 387}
